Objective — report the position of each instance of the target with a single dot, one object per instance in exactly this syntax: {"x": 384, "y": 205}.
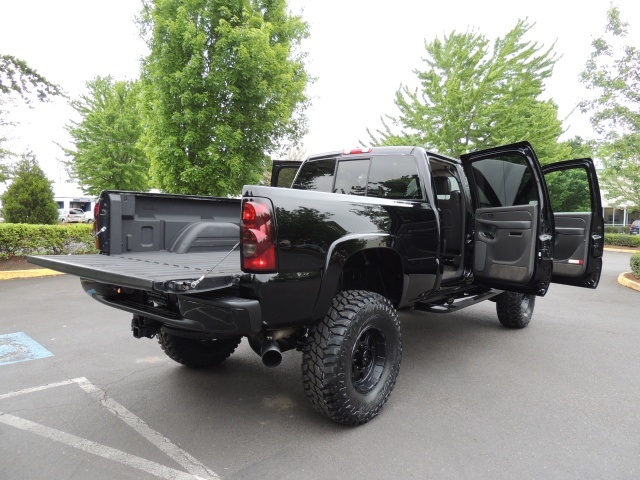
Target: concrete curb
{"x": 621, "y": 250}
{"x": 33, "y": 273}
{"x": 628, "y": 279}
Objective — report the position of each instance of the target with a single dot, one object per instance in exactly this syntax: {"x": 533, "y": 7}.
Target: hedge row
{"x": 621, "y": 240}
{"x": 18, "y": 239}
{"x": 616, "y": 229}
{"x": 635, "y": 264}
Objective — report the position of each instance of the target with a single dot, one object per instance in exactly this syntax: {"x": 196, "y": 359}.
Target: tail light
{"x": 258, "y": 236}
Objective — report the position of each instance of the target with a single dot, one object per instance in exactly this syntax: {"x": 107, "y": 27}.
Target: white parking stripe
{"x": 195, "y": 469}
{"x": 38, "y": 389}
{"x": 188, "y": 462}
{"x": 97, "y": 449}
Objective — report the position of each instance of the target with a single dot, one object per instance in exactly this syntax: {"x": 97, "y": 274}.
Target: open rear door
{"x": 513, "y": 221}
{"x": 579, "y": 224}
{"x": 283, "y": 172}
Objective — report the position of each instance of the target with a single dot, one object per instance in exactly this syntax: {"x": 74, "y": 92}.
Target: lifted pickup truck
{"x": 323, "y": 265}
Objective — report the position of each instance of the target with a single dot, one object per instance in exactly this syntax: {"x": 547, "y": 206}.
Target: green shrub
{"x": 622, "y": 240}
{"x": 17, "y": 239}
{"x": 616, "y": 229}
{"x": 635, "y": 264}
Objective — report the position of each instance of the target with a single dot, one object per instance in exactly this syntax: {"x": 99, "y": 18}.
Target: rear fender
{"x": 337, "y": 257}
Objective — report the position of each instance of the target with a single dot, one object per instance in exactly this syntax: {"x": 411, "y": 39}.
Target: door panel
{"x": 505, "y": 243}
{"x": 579, "y": 225}
{"x": 570, "y": 248}
{"x": 513, "y": 236}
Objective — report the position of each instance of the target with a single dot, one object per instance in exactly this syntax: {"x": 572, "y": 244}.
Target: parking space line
{"x": 195, "y": 469}
{"x": 37, "y": 389}
{"x": 188, "y": 462}
{"x": 96, "y": 449}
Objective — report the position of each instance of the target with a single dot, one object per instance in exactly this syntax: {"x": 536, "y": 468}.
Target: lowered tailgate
{"x": 154, "y": 271}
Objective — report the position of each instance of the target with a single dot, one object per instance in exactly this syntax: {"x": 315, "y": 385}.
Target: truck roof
{"x": 391, "y": 150}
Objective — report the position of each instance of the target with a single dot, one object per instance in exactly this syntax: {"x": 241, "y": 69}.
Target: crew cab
{"x": 322, "y": 260}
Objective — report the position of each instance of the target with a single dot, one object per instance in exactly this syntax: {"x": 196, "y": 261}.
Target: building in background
{"x": 69, "y": 195}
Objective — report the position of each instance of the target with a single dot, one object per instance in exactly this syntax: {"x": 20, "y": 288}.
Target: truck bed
{"x": 154, "y": 271}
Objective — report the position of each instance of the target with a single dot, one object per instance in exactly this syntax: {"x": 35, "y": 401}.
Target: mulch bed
{"x": 16, "y": 263}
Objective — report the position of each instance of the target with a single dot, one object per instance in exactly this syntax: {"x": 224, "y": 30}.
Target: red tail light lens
{"x": 258, "y": 236}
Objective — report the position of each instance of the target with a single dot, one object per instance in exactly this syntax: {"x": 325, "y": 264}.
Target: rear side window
{"x": 316, "y": 175}
{"x": 383, "y": 176}
{"x": 569, "y": 190}
{"x": 394, "y": 177}
{"x": 351, "y": 177}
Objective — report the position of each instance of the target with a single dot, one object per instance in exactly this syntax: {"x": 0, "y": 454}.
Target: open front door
{"x": 513, "y": 222}
{"x": 579, "y": 225}
{"x": 283, "y": 172}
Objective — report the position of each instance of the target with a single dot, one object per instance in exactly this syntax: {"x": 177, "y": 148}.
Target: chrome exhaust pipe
{"x": 270, "y": 353}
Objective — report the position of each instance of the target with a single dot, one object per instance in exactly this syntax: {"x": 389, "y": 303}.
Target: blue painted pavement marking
{"x": 20, "y": 347}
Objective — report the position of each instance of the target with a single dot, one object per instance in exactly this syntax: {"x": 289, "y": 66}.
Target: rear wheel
{"x": 352, "y": 357}
{"x": 515, "y": 309}
{"x": 195, "y": 353}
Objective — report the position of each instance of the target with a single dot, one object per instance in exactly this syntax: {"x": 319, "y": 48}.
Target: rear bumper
{"x": 219, "y": 314}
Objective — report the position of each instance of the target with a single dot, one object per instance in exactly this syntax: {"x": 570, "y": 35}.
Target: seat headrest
{"x": 443, "y": 187}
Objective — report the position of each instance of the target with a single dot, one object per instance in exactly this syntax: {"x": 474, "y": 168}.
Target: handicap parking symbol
{"x": 20, "y": 347}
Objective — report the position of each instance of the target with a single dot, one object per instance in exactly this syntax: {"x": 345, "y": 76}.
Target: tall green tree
{"x": 29, "y": 198}
{"x": 224, "y": 84}
{"x": 18, "y": 79}
{"x": 108, "y": 153}
{"x": 475, "y": 95}
{"x": 613, "y": 73}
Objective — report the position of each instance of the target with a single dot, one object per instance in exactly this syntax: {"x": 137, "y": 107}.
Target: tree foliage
{"x": 613, "y": 72}
{"x": 4, "y": 152}
{"x": 108, "y": 153}
{"x": 473, "y": 95}
{"x": 224, "y": 84}
{"x": 17, "y": 78}
{"x": 29, "y": 198}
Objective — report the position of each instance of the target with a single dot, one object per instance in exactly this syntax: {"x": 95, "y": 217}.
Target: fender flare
{"x": 337, "y": 256}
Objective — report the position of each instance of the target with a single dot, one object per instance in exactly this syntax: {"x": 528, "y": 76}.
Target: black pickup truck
{"x": 323, "y": 265}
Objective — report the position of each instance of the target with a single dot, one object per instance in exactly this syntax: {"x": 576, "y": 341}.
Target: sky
{"x": 360, "y": 52}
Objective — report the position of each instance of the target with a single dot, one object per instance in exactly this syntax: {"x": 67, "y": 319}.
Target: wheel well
{"x": 376, "y": 270}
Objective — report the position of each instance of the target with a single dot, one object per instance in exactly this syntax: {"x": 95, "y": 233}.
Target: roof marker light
{"x": 356, "y": 151}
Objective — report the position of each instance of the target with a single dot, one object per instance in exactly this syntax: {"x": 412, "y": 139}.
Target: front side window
{"x": 504, "y": 181}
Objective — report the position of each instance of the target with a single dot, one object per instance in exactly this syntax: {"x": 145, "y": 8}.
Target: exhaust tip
{"x": 271, "y": 355}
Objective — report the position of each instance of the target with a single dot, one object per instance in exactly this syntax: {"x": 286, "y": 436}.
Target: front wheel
{"x": 351, "y": 358}
{"x": 195, "y": 353}
{"x": 515, "y": 309}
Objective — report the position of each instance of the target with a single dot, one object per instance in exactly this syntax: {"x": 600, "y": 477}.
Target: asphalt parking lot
{"x": 80, "y": 398}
